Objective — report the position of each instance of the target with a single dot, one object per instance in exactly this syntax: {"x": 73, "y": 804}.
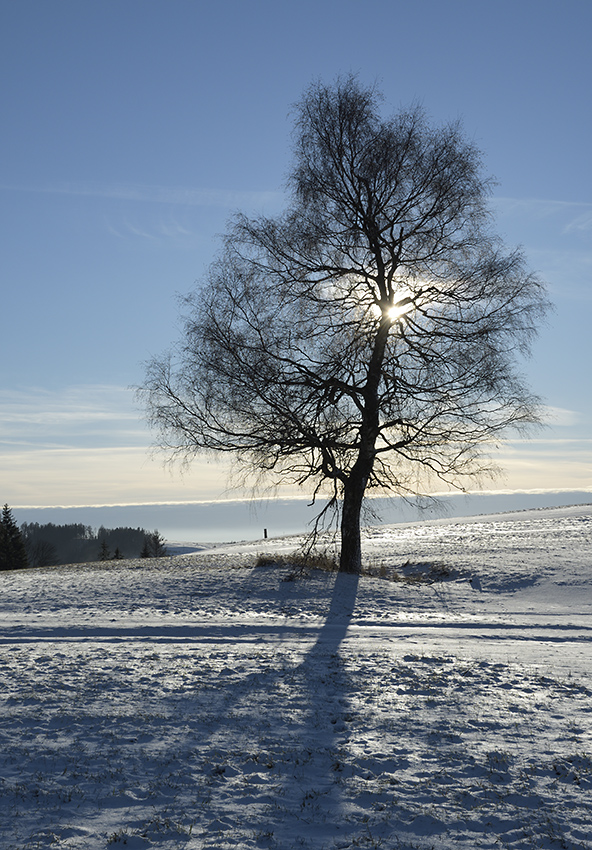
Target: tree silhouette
{"x": 13, "y": 554}
{"x": 154, "y": 546}
{"x": 367, "y": 339}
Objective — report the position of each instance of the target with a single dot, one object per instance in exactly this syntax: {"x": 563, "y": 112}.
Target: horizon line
{"x": 538, "y": 491}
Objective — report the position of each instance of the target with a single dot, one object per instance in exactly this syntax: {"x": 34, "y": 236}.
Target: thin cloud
{"x": 573, "y": 217}
{"x": 71, "y": 417}
{"x": 163, "y": 230}
{"x": 173, "y": 195}
{"x": 75, "y": 403}
{"x": 581, "y": 224}
{"x": 561, "y": 417}
{"x": 100, "y": 475}
{"x": 539, "y": 207}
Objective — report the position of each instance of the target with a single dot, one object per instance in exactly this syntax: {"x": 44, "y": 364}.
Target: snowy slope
{"x": 200, "y": 702}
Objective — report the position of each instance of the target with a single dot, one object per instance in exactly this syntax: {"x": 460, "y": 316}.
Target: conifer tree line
{"x": 36, "y": 545}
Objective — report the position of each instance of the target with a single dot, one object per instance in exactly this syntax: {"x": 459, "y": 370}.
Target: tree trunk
{"x": 350, "y": 559}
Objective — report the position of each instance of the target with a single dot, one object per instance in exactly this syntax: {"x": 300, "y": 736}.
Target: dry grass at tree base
{"x": 410, "y": 572}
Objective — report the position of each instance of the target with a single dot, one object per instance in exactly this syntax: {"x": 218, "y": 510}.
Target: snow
{"x": 199, "y": 701}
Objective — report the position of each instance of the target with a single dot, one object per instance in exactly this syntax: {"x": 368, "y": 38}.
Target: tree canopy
{"x": 369, "y": 337}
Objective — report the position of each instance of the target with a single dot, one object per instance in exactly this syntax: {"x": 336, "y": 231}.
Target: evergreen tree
{"x": 154, "y": 546}
{"x": 13, "y": 554}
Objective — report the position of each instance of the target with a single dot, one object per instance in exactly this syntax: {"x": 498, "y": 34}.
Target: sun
{"x": 401, "y": 308}
{"x": 404, "y": 305}
{"x": 400, "y": 304}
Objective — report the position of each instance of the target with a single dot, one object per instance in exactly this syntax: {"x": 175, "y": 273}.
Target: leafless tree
{"x": 369, "y": 337}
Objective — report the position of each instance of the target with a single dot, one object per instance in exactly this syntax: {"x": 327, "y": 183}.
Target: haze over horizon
{"x": 251, "y": 519}
{"x": 133, "y": 131}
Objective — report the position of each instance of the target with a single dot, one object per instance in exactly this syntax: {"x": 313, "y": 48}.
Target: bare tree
{"x": 368, "y": 338}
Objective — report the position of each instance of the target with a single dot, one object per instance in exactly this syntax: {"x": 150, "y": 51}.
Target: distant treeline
{"x": 49, "y": 545}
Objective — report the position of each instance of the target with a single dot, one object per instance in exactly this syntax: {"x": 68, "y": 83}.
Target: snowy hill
{"x": 199, "y": 701}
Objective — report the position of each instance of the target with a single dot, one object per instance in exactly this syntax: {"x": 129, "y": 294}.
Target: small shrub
{"x": 411, "y": 572}
{"x": 299, "y": 563}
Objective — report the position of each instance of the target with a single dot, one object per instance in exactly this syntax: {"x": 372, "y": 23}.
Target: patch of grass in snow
{"x": 300, "y": 564}
{"x": 151, "y": 832}
{"x": 414, "y": 572}
{"x": 410, "y": 572}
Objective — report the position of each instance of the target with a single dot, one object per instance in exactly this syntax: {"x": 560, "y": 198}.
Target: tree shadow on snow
{"x": 282, "y": 728}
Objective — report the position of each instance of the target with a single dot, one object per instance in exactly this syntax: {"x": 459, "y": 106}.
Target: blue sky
{"x": 132, "y": 129}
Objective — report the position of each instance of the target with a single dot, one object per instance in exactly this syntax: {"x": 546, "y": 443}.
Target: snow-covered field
{"x": 198, "y": 701}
